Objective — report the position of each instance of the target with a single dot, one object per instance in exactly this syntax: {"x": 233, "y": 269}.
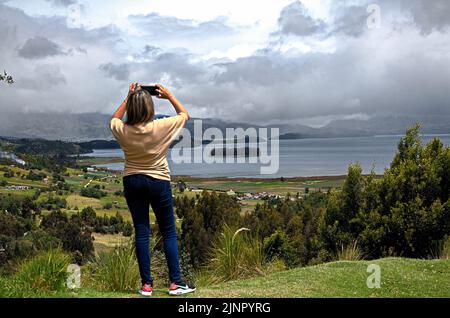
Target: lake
{"x": 302, "y": 157}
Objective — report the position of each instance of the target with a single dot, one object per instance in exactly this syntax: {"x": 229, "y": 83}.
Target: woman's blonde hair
{"x": 140, "y": 108}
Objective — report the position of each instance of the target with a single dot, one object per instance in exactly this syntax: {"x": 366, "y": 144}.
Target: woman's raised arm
{"x": 120, "y": 112}
{"x": 164, "y": 93}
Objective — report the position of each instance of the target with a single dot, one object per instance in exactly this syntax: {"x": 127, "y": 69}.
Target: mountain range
{"x": 94, "y": 126}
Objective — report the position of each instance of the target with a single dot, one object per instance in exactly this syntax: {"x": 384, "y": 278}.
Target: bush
{"x": 108, "y": 206}
{"x": 45, "y": 273}
{"x": 117, "y": 270}
{"x": 127, "y": 229}
{"x": 445, "y": 251}
{"x": 73, "y": 236}
{"x": 236, "y": 255}
{"x": 36, "y": 176}
{"x": 350, "y": 252}
{"x": 88, "y": 216}
{"x": 93, "y": 192}
{"x": 53, "y": 202}
{"x": 202, "y": 220}
{"x": 279, "y": 246}
{"x": 43, "y": 241}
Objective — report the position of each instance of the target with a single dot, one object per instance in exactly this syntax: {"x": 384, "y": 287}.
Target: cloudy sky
{"x": 260, "y": 61}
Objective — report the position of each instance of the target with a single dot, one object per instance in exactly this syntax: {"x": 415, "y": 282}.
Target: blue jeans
{"x": 140, "y": 192}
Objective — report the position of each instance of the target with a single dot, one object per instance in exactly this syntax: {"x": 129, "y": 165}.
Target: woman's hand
{"x": 163, "y": 92}
{"x": 120, "y": 112}
{"x": 133, "y": 88}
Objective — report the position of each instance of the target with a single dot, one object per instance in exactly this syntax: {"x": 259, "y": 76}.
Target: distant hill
{"x": 387, "y": 125}
{"x": 94, "y": 126}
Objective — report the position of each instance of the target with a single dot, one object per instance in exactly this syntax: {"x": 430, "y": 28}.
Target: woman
{"x": 146, "y": 180}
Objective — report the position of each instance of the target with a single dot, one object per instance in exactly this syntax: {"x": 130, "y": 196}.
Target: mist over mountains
{"x": 94, "y": 126}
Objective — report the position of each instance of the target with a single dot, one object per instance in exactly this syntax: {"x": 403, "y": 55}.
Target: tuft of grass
{"x": 440, "y": 249}
{"x": 350, "y": 252}
{"x": 445, "y": 251}
{"x": 45, "y": 273}
{"x": 117, "y": 270}
{"x": 235, "y": 255}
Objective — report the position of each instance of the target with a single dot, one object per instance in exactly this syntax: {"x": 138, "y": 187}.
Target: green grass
{"x": 90, "y": 161}
{"x": 399, "y": 278}
{"x": 274, "y": 186}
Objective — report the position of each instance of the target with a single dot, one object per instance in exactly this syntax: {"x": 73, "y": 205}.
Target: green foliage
{"x": 73, "y": 235}
{"x": 444, "y": 252}
{"x": 202, "y": 221}
{"x": 116, "y": 271}
{"x": 342, "y": 210}
{"x": 127, "y": 229}
{"x": 108, "y": 206}
{"x": 54, "y": 202}
{"x": 279, "y": 246}
{"x": 8, "y": 173}
{"x": 290, "y": 229}
{"x": 36, "y": 176}
{"x": 236, "y": 254}
{"x": 403, "y": 213}
{"x": 93, "y": 192}
{"x": 18, "y": 206}
{"x": 350, "y": 252}
{"x": 43, "y": 273}
{"x": 88, "y": 216}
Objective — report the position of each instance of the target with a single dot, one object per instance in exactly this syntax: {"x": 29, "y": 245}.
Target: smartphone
{"x": 150, "y": 88}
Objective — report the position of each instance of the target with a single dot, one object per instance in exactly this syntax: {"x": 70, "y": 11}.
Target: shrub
{"x": 279, "y": 246}
{"x": 117, "y": 270}
{"x": 73, "y": 236}
{"x": 236, "y": 255}
{"x": 127, "y": 229}
{"x": 88, "y": 216}
{"x": 108, "y": 206}
{"x": 350, "y": 252}
{"x": 42, "y": 274}
{"x": 202, "y": 220}
{"x": 445, "y": 250}
{"x": 93, "y": 192}
{"x": 36, "y": 176}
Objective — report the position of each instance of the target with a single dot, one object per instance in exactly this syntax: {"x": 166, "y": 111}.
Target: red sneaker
{"x": 146, "y": 290}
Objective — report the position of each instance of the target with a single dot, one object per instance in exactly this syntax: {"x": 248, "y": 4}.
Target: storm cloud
{"x": 306, "y": 67}
{"x": 39, "y": 48}
{"x": 294, "y": 19}
{"x": 62, "y": 3}
{"x": 430, "y": 15}
{"x": 120, "y": 72}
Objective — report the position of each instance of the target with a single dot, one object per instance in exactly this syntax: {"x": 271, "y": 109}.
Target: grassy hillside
{"x": 399, "y": 278}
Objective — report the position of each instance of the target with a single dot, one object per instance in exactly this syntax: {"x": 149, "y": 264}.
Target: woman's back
{"x": 146, "y": 180}
{"x": 145, "y": 145}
